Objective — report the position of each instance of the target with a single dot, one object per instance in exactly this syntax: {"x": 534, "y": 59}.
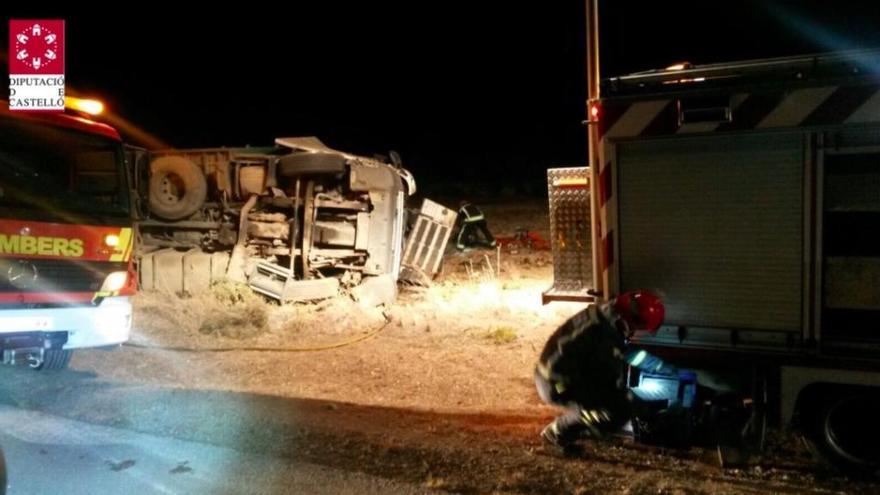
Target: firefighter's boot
{"x": 558, "y": 445}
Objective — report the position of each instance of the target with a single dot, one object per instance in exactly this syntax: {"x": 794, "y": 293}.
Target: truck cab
{"x": 65, "y": 238}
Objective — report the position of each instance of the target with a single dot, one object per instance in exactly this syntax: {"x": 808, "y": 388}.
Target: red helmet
{"x": 641, "y": 310}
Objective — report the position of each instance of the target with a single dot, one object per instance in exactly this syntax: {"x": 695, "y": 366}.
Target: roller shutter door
{"x": 715, "y": 223}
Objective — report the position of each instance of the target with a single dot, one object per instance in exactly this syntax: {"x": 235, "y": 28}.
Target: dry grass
{"x": 231, "y": 313}
{"x": 502, "y": 335}
{"x": 434, "y": 482}
{"x": 228, "y": 310}
{"x": 238, "y": 312}
{"x": 241, "y": 323}
{"x": 228, "y": 292}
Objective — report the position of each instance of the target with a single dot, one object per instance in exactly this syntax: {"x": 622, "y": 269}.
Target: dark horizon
{"x": 468, "y": 94}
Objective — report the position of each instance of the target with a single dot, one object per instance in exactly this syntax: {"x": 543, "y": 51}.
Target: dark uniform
{"x": 583, "y": 368}
{"x": 472, "y": 223}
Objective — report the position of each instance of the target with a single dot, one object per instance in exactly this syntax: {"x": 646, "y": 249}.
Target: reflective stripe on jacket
{"x": 470, "y": 213}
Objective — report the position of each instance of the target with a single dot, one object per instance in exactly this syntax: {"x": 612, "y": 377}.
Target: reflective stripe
{"x": 867, "y": 112}
{"x": 796, "y": 106}
{"x": 585, "y": 416}
{"x": 471, "y": 213}
{"x": 122, "y": 250}
{"x": 594, "y": 416}
{"x": 636, "y": 118}
{"x": 573, "y": 182}
{"x": 103, "y": 294}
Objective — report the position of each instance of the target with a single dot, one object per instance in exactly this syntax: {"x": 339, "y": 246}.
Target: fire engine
{"x": 747, "y": 194}
{"x": 65, "y": 237}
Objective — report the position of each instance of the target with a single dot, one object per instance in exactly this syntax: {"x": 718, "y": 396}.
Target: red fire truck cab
{"x": 65, "y": 238}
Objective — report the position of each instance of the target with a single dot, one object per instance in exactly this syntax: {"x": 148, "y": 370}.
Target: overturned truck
{"x": 296, "y": 221}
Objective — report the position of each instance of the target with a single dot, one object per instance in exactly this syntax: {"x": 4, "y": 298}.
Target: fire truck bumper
{"x": 88, "y": 326}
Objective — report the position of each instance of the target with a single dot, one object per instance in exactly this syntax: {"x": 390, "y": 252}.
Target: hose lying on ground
{"x": 334, "y": 345}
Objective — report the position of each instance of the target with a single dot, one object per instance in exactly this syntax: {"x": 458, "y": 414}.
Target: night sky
{"x": 484, "y": 97}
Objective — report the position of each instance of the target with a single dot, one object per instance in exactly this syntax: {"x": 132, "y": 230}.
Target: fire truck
{"x": 65, "y": 238}
{"x": 747, "y": 195}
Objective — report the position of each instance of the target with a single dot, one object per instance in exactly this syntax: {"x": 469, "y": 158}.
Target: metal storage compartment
{"x": 715, "y": 223}
{"x": 851, "y": 241}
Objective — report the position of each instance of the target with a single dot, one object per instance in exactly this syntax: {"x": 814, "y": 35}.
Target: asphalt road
{"x": 48, "y": 454}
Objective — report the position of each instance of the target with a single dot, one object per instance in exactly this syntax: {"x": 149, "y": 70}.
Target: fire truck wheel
{"x": 55, "y": 359}
{"x": 841, "y": 428}
{"x": 177, "y": 187}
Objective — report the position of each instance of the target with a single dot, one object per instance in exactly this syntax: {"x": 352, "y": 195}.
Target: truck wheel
{"x": 55, "y": 359}
{"x": 177, "y": 187}
{"x": 297, "y": 164}
{"x": 843, "y": 430}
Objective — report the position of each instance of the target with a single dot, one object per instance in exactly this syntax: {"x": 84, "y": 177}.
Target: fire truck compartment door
{"x": 715, "y": 223}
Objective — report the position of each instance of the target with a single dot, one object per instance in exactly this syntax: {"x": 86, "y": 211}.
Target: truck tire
{"x": 842, "y": 429}
{"x": 55, "y": 359}
{"x": 177, "y": 187}
{"x": 297, "y": 164}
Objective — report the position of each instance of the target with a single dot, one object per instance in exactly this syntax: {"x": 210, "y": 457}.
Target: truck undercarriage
{"x": 297, "y": 221}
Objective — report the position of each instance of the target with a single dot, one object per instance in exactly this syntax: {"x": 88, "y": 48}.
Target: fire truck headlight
{"x": 111, "y": 240}
{"x": 115, "y": 281}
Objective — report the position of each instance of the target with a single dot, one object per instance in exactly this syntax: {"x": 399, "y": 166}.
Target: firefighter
{"x": 583, "y": 369}
{"x": 472, "y": 223}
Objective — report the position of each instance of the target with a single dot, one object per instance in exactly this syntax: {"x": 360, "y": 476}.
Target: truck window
{"x": 95, "y": 175}
{"x": 60, "y": 171}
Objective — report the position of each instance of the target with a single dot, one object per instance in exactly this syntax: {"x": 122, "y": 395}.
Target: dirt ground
{"x": 440, "y": 393}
